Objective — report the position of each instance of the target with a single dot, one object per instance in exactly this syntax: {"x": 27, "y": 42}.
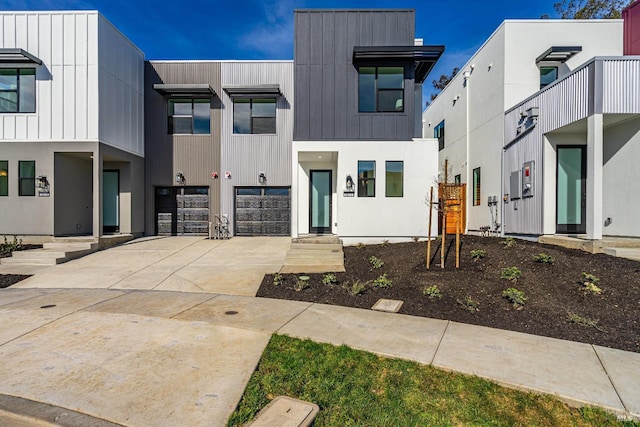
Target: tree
{"x": 441, "y": 83}
{"x": 590, "y": 9}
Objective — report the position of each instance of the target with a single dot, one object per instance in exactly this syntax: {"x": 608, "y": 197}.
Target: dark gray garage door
{"x": 263, "y": 211}
{"x": 182, "y": 211}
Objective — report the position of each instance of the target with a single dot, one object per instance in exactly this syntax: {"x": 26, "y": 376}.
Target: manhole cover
{"x": 48, "y": 306}
{"x": 230, "y": 312}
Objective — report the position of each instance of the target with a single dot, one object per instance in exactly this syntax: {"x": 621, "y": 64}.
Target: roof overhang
{"x": 175, "y": 89}
{"x": 423, "y": 57}
{"x": 558, "y": 54}
{"x": 253, "y": 91}
{"x": 16, "y": 58}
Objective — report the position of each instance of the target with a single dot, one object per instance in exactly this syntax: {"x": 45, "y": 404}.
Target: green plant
{"x": 329, "y": 279}
{"x": 584, "y": 321}
{"x": 385, "y": 243}
{"x": 477, "y": 254}
{"x": 8, "y": 247}
{"x": 375, "y": 262}
{"x": 469, "y": 304}
{"x": 278, "y": 279}
{"x": 360, "y": 246}
{"x": 590, "y": 283}
{"x": 515, "y": 296}
{"x": 432, "y": 292}
{"x": 416, "y": 239}
{"x": 302, "y": 282}
{"x": 355, "y": 288}
{"x": 508, "y": 242}
{"x": 511, "y": 273}
{"x": 383, "y": 282}
{"x": 544, "y": 258}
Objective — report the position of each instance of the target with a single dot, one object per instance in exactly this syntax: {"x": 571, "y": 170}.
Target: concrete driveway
{"x": 184, "y": 264}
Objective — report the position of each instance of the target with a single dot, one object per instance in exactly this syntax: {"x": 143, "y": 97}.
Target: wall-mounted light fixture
{"x": 349, "y": 183}
{"x": 180, "y": 179}
{"x": 214, "y": 175}
{"x": 42, "y": 181}
{"x": 262, "y": 177}
{"x": 227, "y": 175}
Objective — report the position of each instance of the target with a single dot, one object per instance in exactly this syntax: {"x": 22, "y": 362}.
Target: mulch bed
{"x": 7, "y": 280}
{"x": 553, "y": 291}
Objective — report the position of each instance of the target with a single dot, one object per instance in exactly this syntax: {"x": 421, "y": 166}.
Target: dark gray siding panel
{"x": 326, "y": 81}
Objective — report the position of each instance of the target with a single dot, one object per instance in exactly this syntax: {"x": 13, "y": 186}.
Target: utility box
{"x": 528, "y": 170}
{"x": 514, "y": 185}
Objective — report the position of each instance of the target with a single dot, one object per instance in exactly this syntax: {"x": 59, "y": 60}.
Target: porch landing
{"x": 314, "y": 254}
{"x": 624, "y": 247}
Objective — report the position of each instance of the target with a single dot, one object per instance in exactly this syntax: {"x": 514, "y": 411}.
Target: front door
{"x": 320, "y": 201}
{"x": 111, "y": 201}
{"x": 571, "y": 190}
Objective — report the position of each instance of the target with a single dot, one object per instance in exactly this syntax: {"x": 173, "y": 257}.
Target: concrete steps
{"x": 624, "y": 252}
{"x": 53, "y": 253}
{"x": 314, "y": 254}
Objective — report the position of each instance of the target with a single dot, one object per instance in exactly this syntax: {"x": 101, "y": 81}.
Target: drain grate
{"x": 48, "y": 306}
{"x": 230, "y": 312}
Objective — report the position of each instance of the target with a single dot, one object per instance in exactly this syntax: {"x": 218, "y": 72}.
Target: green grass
{"x": 356, "y": 388}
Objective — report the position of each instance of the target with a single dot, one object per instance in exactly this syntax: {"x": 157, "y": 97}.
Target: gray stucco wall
{"x": 326, "y": 81}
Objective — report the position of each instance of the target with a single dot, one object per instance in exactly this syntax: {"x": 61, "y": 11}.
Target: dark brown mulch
{"x": 7, "y": 280}
{"x": 553, "y": 291}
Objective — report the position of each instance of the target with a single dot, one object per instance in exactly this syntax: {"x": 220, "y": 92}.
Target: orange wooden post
{"x": 429, "y": 231}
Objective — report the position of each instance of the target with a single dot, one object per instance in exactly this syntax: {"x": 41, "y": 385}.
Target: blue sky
{"x": 263, "y": 29}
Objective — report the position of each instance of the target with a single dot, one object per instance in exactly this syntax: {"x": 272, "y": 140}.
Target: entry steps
{"x": 63, "y": 249}
{"x": 623, "y": 247}
{"x": 314, "y": 254}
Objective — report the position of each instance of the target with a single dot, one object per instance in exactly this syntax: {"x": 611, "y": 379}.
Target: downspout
{"x": 467, "y": 78}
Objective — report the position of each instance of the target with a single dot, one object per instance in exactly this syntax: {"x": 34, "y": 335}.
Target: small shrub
{"x": 584, "y": 321}
{"x": 544, "y": 258}
{"x": 509, "y": 242}
{"x": 515, "y": 296}
{"x": 355, "y": 288}
{"x": 360, "y": 246}
{"x": 416, "y": 239}
{"x": 8, "y": 247}
{"x": 385, "y": 243}
{"x": 329, "y": 279}
{"x": 382, "y": 282}
{"x": 469, "y": 304}
{"x": 375, "y": 262}
{"x": 433, "y": 292}
{"x": 511, "y": 273}
{"x": 590, "y": 283}
{"x": 301, "y": 283}
{"x": 278, "y": 279}
{"x": 477, "y": 254}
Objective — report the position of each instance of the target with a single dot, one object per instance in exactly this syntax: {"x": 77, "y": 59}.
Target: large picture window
{"x": 394, "y": 177}
{"x": 254, "y": 116}
{"x": 17, "y": 90}
{"x": 476, "y": 187}
{"x": 27, "y": 178}
{"x": 438, "y": 132}
{"x": 4, "y": 178}
{"x": 189, "y": 116}
{"x": 380, "y": 89}
{"x": 366, "y": 178}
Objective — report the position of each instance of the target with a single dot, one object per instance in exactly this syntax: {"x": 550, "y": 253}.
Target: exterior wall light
{"x": 42, "y": 181}
{"x": 262, "y": 177}
{"x": 180, "y": 179}
{"x": 349, "y": 183}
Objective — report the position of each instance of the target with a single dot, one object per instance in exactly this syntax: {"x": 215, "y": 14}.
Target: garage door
{"x": 182, "y": 211}
{"x": 263, "y": 211}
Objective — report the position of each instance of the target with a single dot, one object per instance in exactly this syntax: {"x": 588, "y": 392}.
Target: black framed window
{"x": 189, "y": 116}
{"x": 548, "y": 75}
{"x": 476, "y": 187}
{"x": 254, "y": 116}
{"x": 4, "y": 178}
{"x": 394, "y": 178}
{"x": 27, "y": 178}
{"x": 17, "y": 90}
{"x": 366, "y": 178}
{"x": 438, "y": 132}
{"x": 380, "y": 89}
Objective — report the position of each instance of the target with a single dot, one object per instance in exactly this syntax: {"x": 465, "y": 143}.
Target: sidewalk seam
{"x": 194, "y": 306}
{"x": 435, "y": 353}
{"x": 293, "y": 318}
{"x": 604, "y": 368}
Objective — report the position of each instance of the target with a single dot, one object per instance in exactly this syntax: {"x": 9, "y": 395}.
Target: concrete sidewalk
{"x": 156, "y": 358}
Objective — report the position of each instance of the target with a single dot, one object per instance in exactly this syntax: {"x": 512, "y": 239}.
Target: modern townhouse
{"x": 542, "y": 125}
{"x": 71, "y": 126}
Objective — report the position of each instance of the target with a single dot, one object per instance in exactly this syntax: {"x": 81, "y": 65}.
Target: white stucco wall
{"x": 369, "y": 218}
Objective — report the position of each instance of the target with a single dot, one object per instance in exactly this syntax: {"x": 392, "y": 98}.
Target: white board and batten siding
{"x": 74, "y": 102}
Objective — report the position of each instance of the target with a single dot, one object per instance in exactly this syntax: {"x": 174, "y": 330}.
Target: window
{"x": 380, "y": 89}
{"x": 438, "y": 132}
{"x": 17, "y": 90}
{"x": 457, "y": 179}
{"x": 366, "y": 178}
{"x": 394, "y": 178}
{"x": 27, "y": 178}
{"x": 476, "y": 187}
{"x": 4, "y": 178}
{"x": 254, "y": 116}
{"x": 548, "y": 75}
{"x": 189, "y": 116}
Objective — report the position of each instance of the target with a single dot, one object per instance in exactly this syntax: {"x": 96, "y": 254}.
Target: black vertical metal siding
{"x": 326, "y": 82}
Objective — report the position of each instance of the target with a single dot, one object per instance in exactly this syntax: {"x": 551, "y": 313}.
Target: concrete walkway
{"x": 145, "y": 357}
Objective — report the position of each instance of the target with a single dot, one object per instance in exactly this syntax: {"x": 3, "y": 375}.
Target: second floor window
{"x": 17, "y": 90}
{"x": 438, "y": 132}
{"x": 548, "y": 75}
{"x": 189, "y": 116}
{"x": 254, "y": 116}
{"x": 380, "y": 89}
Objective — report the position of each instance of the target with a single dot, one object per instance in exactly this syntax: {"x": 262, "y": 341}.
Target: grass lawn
{"x": 358, "y": 388}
